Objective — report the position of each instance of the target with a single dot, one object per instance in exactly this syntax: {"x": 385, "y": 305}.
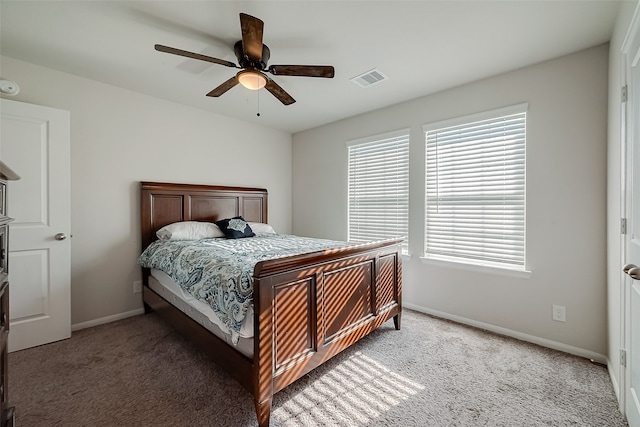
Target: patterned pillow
{"x": 235, "y": 228}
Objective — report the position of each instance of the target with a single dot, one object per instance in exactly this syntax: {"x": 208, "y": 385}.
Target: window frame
{"x": 460, "y": 261}
{"x": 405, "y": 135}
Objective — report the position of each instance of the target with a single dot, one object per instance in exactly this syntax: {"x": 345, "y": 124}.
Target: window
{"x": 475, "y": 189}
{"x": 378, "y": 187}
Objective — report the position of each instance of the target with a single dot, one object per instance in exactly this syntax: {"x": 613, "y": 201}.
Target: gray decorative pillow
{"x": 235, "y": 228}
{"x": 189, "y": 230}
{"x": 261, "y": 228}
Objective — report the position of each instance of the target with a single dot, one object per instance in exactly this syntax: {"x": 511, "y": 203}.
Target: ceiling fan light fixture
{"x": 252, "y": 80}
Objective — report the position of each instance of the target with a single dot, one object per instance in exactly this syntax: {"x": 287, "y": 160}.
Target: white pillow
{"x": 189, "y": 230}
{"x": 260, "y": 227}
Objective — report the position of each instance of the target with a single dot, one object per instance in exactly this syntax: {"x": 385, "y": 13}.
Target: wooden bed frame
{"x": 307, "y": 308}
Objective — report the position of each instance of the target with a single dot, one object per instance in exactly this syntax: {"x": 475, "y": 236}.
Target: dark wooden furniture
{"x": 7, "y": 418}
{"x": 307, "y": 308}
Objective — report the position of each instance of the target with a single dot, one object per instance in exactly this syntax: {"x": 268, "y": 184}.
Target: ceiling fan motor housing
{"x": 246, "y": 62}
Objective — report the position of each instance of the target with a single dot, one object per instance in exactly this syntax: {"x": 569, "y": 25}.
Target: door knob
{"x": 60, "y": 236}
{"x": 632, "y": 270}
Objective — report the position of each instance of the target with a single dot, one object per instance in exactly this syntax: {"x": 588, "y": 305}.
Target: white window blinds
{"x": 475, "y": 191}
{"x": 378, "y": 188}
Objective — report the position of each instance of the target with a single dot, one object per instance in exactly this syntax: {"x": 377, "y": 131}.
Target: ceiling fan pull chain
{"x": 258, "y": 103}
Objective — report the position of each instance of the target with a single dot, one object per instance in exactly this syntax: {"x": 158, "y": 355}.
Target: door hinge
{"x": 623, "y": 225}
{"x": 623, "y": 357}
{"x": 623, "y": 93}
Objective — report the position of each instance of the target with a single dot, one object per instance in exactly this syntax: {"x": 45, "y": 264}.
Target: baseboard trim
{"x": 596, "y": 357}
{"x": 107, "y": 319}
{"x": 614, "y": 384}
{"x": 576, "y": 351}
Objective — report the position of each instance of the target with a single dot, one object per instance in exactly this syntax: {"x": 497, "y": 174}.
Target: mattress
{"x": 219, "y": 272}
{"x": 164, "y": 286}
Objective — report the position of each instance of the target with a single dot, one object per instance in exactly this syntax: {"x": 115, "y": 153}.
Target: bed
{"x": 306, "y": 308}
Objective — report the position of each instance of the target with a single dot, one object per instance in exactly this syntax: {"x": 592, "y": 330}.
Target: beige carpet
{"x": 137, "y": 372}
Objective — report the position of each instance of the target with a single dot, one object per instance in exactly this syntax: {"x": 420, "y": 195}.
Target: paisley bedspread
{"x": 219, "y": 272}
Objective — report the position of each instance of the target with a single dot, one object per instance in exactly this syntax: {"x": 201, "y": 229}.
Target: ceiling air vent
{"x": 369, "y": 78}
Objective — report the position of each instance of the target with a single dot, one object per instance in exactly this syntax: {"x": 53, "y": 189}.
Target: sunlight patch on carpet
{"x": 354, "y": 393}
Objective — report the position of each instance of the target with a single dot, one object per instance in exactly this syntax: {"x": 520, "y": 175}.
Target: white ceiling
{"x": 422, "y": 46}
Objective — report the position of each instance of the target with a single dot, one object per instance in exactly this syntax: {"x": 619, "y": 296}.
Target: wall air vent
{"x": 369, "y": 78}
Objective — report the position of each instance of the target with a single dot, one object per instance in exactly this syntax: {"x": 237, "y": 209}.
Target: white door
{"x": 631, "y": 50}
{"x": 35, "y": 143}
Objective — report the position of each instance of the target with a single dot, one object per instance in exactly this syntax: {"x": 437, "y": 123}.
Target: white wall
{"x": 119, "y": 138}
{"x": 566, "y": 201}
{"x": 615, "y": 262}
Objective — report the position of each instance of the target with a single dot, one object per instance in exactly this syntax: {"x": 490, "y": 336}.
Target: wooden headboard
{"x": 166, "y": 203}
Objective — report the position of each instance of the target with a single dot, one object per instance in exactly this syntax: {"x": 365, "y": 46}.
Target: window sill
{"x": 523, "y": 274}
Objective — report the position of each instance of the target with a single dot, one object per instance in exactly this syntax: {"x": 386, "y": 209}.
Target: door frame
{"x": 627, "y": 108}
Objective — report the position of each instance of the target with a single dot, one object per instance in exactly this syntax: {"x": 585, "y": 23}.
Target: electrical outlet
{"x": 559, "y": 313}
{"x": 137, "y": 286}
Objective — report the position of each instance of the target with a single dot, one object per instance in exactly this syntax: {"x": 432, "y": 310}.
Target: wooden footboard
{"x": 309, "y": 308}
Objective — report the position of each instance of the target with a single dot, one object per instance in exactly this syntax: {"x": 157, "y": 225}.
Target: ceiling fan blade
{"x": 224, "y": 87}
{"x": 302, "y": 70}
{"x": 174, "y": 51}
{"x": 251, "y": 36}
{"x": 278, "y": 92}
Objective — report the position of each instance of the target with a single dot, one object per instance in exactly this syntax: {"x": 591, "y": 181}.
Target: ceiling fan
{"x": 253, "y": 56}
